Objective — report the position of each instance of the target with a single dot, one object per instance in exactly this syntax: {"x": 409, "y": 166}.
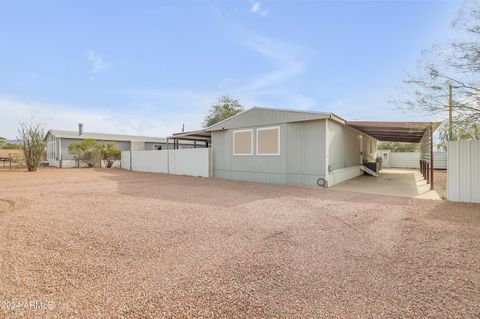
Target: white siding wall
{"x": 464, "y": 171}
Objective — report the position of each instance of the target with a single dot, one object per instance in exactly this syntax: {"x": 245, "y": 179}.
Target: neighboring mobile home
{"x": 58, "y": 142}
{"x": 289, "y": 147}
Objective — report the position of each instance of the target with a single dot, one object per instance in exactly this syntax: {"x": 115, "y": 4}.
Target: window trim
{"x": 278, "y": 140}
{"x": 251, "y": 141}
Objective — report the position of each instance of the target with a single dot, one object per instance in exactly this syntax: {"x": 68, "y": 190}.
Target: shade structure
{"x": 411, "y": 132}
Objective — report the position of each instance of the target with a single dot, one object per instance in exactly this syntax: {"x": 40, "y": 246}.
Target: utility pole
{"x": 450, "y": 105}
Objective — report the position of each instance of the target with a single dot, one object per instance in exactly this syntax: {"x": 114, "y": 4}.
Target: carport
{"x": 411, "y": 132}
{"x": 200, "y": 136}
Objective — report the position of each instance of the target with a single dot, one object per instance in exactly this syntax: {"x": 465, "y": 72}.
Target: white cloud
{"x": 276, "y": 85}
{"x": 286, "y": 58}
{"x": 258, "y": 8}
{"x": 157, "y": 122}
{"x": 98, "y": 64}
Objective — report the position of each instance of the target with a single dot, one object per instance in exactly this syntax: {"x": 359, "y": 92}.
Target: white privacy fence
{"x": 193, "y": 162}
{"x": 125, "y": 160}
{"x": 463, "y": 176}
{"x": 410, "y": 159}
{"x": 405, "y": 160}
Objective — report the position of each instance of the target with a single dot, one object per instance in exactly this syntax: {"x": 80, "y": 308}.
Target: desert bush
{"x": 32, "y": 143}
{"x": 87, "y": 151}
{"x": 109, "y": 152}
{"x": 18, "y": 160}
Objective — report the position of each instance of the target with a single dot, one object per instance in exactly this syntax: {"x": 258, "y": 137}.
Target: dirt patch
{"x": 5, "y": 205}
{"x": 440, "y": 183}
{"x": 111, "y": 243}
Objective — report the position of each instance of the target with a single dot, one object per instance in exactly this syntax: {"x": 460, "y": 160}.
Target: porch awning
{"x": 200, "y": 135}
{"x": 411, "y": 132}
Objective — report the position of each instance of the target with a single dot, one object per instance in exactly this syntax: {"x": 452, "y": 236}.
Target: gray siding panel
{"x": 306, "y": 148}
{"x": 301, "y": 159}
{"x": 261, "y": 117}
{"x": 344, "y": 146}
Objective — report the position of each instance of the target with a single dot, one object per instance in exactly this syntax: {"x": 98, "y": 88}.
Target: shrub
{"x": 109, "y": 152}
{"x": 87, "y": 151}
{"x": 32, "y": 144}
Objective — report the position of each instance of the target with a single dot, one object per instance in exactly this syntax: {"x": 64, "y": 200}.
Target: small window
{"x": 371, "y": 147}
{"x": 268, "y": 141}
{"x": 243, "y": 142}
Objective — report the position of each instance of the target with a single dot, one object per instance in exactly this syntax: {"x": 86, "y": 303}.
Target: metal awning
{"x": 200, "y": 135}
{"x": 411, "y": 132}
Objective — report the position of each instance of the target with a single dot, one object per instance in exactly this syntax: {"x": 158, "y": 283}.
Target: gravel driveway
{"x": 107, "y": 243}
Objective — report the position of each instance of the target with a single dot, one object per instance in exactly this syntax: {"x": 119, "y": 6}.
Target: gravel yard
{"x": 108, "y": 243}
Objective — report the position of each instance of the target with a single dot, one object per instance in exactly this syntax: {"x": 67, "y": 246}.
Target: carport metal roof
{"x": 411, "y": 132}
{"x": 200, "y": 135}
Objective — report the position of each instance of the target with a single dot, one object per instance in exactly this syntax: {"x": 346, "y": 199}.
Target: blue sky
{"x": 148, "y": 67}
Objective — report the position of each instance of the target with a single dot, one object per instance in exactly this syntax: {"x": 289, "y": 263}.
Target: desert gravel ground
{"x": 107, "y": 243}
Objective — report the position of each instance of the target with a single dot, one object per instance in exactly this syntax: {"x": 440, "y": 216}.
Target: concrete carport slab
{"x": 396, "y": 182}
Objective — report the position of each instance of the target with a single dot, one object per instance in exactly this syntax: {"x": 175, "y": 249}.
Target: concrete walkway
{"x": 392, "y": 181}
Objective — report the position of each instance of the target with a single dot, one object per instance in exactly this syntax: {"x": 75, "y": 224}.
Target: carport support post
{"x": 428, "y": 174}
{"x": 431, "y": 156}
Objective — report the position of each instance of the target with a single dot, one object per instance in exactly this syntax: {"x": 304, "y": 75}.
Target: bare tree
{"x": 32, "y": 143}
{"x": 456, "y": 64}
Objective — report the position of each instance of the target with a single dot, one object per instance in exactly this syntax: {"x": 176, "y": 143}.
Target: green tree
{"x": 224, "y": 108}
{"x": 87, "y": 151}
{"x": 8, "y": 146}
{"x": 32, "y": 144}
{"x": 398, "y": 146}
{"x": 109, "y": 152}
{"x": 461, "y": 130}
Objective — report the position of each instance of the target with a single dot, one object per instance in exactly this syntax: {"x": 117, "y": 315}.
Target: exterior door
{"x": 386, "y": 155}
